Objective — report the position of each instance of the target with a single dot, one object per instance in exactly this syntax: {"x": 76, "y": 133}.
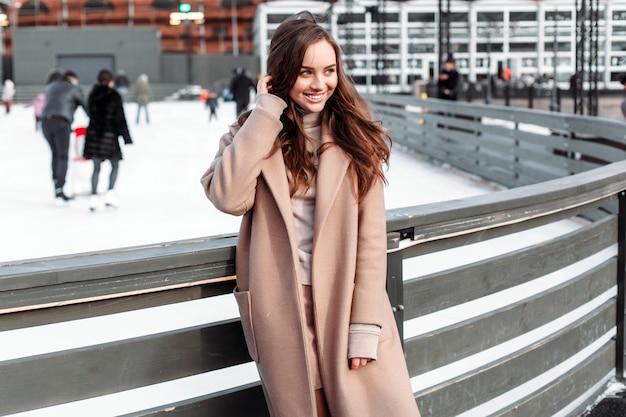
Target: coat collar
{"x": 333, "y": 167}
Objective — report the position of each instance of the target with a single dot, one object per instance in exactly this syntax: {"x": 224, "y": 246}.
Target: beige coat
{"x": 348, "y": 276}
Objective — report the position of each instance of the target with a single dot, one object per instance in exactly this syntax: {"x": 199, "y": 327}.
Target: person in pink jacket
{"x": 305, "y": 170}
{"x": 37, "y": 104}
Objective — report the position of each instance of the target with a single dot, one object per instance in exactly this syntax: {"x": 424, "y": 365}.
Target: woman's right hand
{"x": 264, "y": 85}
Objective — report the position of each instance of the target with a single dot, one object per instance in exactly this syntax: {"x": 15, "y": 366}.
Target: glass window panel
{"x": 458, "y": 17}
{"x": 618, "y": 45}
{"x": 490, "y": 16}
{"x": 523, "y": 47}
{"x": 619, "y": 14}
{"x": 523, "y": 16}
{"x": 421, "y": 17}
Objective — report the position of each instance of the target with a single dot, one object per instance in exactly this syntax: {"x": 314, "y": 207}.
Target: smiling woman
{"x": 305, "y": 169}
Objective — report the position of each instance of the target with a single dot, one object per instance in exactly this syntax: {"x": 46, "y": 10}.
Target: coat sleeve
{"x": 120, "y": 120}
{"x": 230, "y": 181}
{"x": 371, "y": 261}
{"x": 79, "y": 98}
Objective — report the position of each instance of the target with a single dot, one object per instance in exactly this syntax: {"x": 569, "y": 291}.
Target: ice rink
{"x": 158, "y": 184}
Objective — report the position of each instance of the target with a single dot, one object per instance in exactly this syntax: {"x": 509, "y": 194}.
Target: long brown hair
{"x": 346, "y": 113}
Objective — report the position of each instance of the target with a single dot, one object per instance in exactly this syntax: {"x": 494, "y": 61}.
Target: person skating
{"x": 63, "y": 97}
{"x": 106, "y": 125}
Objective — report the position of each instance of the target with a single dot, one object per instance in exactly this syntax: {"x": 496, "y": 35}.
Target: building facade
{"x": 226, "y": 28}
{"x": 391, "y": 46}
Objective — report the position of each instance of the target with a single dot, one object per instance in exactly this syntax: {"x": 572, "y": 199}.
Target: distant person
{"x": 8, "y": 92}
{"x": 575, "y": 85}
{"x": 122, "y": 84}
{"x": 54, "y": 74}
{"x": 106, "y": 124}
{"x": 37, "y": 104}
{"x": 143, "y": 95}
{"x": 204, "y": 92}
{"x": 448, "y": 83}
{"x": 63, "y": 97}
{"x": 211, "y": 103}
{"x": 240, "y": 87}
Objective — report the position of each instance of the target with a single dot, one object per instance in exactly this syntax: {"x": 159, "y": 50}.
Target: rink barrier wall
{"x": 488, "y": 330}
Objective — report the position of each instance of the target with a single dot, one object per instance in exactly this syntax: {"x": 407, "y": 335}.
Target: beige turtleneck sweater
{"x": 303, "y": 203}
{"x": 363, "y": 338}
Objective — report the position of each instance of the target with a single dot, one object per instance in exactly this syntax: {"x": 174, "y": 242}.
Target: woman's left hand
{"x": 356, "y": 363}
{"x": 264, "y": 85}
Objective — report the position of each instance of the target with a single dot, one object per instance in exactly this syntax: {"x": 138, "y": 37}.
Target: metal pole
{"x": 395, "y": 284}
{"x": 233, "y": 18}
{"x": 621, "y": 285}
{"x": 488, "y": 95}
{"x": 131, "y": 13}
{"x": 554, "y": 101}
{"x": 1, "y": 51}
{"x": 441, "y": 38}
{"x": 189, "y": 46}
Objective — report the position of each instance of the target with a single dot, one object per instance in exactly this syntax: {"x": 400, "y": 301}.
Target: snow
{"x": 158, "y": 184}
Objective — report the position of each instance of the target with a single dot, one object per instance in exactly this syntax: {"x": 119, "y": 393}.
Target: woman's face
{"x": 317, "y": 78}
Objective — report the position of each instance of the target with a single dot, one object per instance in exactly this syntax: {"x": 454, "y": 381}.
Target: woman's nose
{"x": 318, "y": 81}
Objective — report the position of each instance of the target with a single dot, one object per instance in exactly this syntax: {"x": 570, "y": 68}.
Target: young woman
{"x": 304, "y": 168}
{"x": 106, "y": 124}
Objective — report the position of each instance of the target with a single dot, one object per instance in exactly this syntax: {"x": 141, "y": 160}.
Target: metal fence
{"x": 510, "y": 303}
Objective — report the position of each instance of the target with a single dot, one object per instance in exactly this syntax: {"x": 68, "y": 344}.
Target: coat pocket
{"x": 243, "y": 301}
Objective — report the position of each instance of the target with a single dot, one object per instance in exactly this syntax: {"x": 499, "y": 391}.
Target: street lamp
{"x": 186, "y": 16}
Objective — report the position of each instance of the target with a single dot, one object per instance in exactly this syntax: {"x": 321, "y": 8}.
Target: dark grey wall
{"x": 206, "y": 70}
{"x": 37, "y": 50}
{"x": 134, "y": 50}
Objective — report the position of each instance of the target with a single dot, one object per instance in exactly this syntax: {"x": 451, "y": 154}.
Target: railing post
{"x": 395, "y": 286}
{"x": 621, "y": 284}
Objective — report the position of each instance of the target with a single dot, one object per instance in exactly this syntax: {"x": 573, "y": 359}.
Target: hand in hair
{"x": 264, "y": 86}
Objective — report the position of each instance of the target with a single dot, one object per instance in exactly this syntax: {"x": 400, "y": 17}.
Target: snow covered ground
{"x": 158, "y": 185}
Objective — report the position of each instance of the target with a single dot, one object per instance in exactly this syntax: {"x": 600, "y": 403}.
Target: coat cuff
{"x": 271, "y": 104}
{"x": 363, "y": 341}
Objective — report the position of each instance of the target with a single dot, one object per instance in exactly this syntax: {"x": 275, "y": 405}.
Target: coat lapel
{"x": 333, "y": 167}
{"x": 275, "y": 175}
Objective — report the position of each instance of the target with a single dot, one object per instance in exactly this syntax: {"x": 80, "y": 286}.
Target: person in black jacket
{"x": 63, "y": 96}
{"x": 240, "y": 86}
{"x": 106, "y": 125}
{"x": 448, "y": 83}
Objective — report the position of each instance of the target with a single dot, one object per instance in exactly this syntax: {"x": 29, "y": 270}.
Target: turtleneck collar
{"x": 311, "y": 120}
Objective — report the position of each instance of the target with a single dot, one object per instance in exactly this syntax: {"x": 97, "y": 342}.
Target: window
{"x": 529, "y": 16}
{"x": 219, "y": 32}
{"x": 523, "y": 47}
{"x": 490, "y": 16}
{"x": 165, "y": 5}
{"x": 422, "y": 17}
{"x": 97, "y": 6}
{"x": 33, "y": 8}
{"x": 344, "y": 18}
